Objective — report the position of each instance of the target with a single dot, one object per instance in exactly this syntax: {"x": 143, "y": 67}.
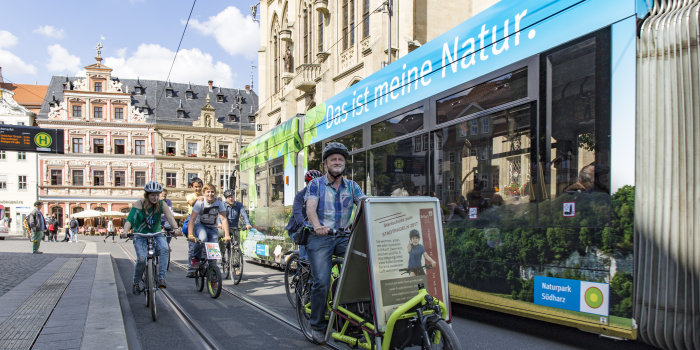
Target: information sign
{"x": 213, "y": 251}
{"x": 30, "y": 139}
{"x": 582, "y": 296}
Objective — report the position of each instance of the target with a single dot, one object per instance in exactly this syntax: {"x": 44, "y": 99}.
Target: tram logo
{"x": 43, "y": 140}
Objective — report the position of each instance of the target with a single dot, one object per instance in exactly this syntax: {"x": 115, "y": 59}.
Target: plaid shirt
{"x": 334, "y": 206}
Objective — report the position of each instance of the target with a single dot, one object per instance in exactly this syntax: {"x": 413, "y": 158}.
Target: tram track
{"x": 207, "y": 340}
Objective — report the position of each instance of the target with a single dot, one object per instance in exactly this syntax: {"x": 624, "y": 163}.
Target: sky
{"x": 43, "y": 38}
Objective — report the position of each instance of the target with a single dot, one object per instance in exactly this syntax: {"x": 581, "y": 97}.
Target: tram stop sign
{"x": 30, "y": 139}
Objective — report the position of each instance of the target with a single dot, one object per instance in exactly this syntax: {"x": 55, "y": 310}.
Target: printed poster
{"x": 406, "y": 250}
{"x": 213, "y": 251}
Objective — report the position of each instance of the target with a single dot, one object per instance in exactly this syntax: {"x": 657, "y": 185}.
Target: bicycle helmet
{"x": 335, "y": 148}
{"x": 312, "y": 174}
{"x": 228, "y": 193}
{"x": 153, "y": 187}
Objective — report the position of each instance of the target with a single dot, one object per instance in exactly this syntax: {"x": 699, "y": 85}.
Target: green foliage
{"x": 621, "y": 294}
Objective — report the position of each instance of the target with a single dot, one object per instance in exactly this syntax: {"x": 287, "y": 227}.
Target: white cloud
{"x": 236, "y": 33}
{"x": 152, "y": 61}
{"x": 11, "y": 64}
{"x": 7, "y": 39}
{"x": 50, "y": 31}
{"x": 61, "y": 61}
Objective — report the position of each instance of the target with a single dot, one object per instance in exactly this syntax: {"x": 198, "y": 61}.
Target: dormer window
{"x": 220, "y": 98}
{"x": 168, "y": 92}
{"x": 232, "y": 117}
{"x": 251, "y": 119}
{"x": 98, "y": 86}
{"x": 189, "y": 94}
{"x": 138, "y": 90}
{"x": 180, "y": 114}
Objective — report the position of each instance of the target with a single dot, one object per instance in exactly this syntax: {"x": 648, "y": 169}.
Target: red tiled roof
{"x": 29, "y": 96}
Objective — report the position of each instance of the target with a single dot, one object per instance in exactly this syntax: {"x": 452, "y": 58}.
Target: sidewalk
{"x": 65, "y": 298}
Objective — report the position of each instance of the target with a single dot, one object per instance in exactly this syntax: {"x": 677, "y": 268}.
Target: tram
{"x": 560, "y": 138}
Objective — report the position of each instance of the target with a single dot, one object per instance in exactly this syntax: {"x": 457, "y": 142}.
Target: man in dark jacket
{"x": 37, "y": 225}
{"x": 296, "y": 221}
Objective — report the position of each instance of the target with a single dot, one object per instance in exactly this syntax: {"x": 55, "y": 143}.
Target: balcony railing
{"x": 306, "y": 76}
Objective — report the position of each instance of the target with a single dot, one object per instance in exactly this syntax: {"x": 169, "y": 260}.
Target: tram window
{"x": 486, "y": 169}
{"x": 356, "y": 169}
{"x": 353, "y": 141}
{"x": 393, "y": 169}
{"x": 276, "y": 179}
{"x": 398, "y": 126}
{"x": 261, "y": 190}
{"x": 504, "y": 89}
{"x": 314, "y": 156}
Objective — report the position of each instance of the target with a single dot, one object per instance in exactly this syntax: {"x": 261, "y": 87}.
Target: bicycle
{"x": 232, "y": 259}
{"x": 292, "y": 271}
{"x": 150, "y": 274}
{"x": 419, "y": 322}
{"x": 208, "y": 269}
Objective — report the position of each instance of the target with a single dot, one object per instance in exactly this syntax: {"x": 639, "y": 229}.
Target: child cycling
{"x": 203, "y": 220}
{"x": 416, "y": 251}
{"x": 144, "y": 217}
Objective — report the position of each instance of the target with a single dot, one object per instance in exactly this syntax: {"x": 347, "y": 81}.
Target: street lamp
{"x": 239, "y": 106}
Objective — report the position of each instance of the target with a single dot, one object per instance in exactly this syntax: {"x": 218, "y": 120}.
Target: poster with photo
{"x": 406, "y": 248}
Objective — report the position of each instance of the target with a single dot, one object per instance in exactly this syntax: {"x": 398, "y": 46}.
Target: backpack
{"x": 25, "y": 223}
{"x": 74, "y": 223}
{"x": 51, "y": 227}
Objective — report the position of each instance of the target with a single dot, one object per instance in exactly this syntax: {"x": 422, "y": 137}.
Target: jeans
{"x": 321, "y": 250}
{"x": 141, "y": 248}
{"x": 205, "y": 234}
{"x": 74, "y": 235}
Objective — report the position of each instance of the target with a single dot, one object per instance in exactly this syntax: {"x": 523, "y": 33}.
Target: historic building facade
{"x": 121, "y": 133}
{"x": 311, "y": 50}
{"x": 18, "y": 170}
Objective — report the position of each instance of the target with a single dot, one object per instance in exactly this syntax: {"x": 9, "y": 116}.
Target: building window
{"x": 168, "y": 93}
{"x": 170, "y": 148}
{"x": 192, "y": 149}
{"x": 170, "y": 179}
{"x": 307, "y": 34}
{"x": 119, "y": 178}
{"x": 365, "y": 18}
{"x": 77, "y": 177}
{"x": 189, "y": 94}
{"x": 56, "y": 177}
{"x": 138, "y": 90}
{"x": 118, "y": 113}
{"x": 222, "y": 182}
{"x": 22, "y": 182}
{"x": 22, "y": 155}
{"x": 77, "y": 145}
{"x": 20, "y": 123}
{"x": 220, "y": 98}
{"x": 223, "y": 151}
{"x": 119, "y": 146}
{"x": 348, "y": 23}
{"x": 320, "y": 32}
{"x": 3, "y": 155}
{"x": 180, "y": 114}
{"x": 98, "y": 178}
{"x": 191, "y": 176}
{"x": 77, "y": 111}
{"x": 97, "y": 112}
{"x": 98, "y": 145}
{"x": 139, "y": 147}
{"x": 139, "y": 178}
{"x": 3, "y": 182}
{"x": 98, "y": 87}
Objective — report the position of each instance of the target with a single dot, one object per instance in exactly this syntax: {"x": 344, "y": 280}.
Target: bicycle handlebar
{"x": 144, "y": 235}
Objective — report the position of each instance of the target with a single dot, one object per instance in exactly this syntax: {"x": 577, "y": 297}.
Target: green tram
{"x": 560, "y": 138}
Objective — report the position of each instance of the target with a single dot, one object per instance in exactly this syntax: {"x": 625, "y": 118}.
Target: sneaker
{"x": 318, "y": 337}
{"x": 161, "y": 283}
{"x": 136, "y": 289}
{"x": 38, "y": 252}
{"x": 190, "y": 274}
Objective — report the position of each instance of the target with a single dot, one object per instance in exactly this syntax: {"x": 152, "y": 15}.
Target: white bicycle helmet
{"x": 153, "y": 187}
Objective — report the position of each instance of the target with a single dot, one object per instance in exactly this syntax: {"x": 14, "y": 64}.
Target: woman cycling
{"x": 144, "y": 217}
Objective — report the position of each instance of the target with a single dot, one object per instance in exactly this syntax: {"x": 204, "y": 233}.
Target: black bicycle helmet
{"x": 335, "y": 148}
{"x": 312, "y": 174}
{"x": 228, "y": 193}
{"x": 153, "y": 187}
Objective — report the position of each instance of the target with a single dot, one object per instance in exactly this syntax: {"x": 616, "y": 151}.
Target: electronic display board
{"x": 30, "y": 139}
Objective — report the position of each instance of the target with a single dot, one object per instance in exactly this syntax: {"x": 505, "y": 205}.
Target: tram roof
{"x": 274, "y": 143}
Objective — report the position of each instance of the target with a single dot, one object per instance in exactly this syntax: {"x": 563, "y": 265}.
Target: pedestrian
{"x": 110, "y": 231}
{"x": 74, "y": 226}
{"x": 66, "y": 229}
{"x": 53, "y": 227}
{"x": 37, "y": 225}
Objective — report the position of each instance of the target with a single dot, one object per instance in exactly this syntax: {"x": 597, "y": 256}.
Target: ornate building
{"x": 122, "y": 133}
{"x": 312, "y": 49}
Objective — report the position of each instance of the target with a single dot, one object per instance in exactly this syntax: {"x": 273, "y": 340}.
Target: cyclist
{"x": 144, "y": 217}
{"x": 416, "y": 251}
{"x": 203, "y": 220}
{"x": 234, "y": 211}
{"x": 196, "y": 184}
{"x": 298, "y": 217}
{"x": 329, "y": 205}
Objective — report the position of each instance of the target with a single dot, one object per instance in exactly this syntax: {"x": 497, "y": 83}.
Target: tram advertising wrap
{"x": 518, "y": 122}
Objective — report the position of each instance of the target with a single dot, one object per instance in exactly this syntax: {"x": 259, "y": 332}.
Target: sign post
{"x": 30, "y": 139}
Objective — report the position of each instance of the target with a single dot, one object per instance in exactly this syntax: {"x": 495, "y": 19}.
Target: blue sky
{"x": 39, "y": 39}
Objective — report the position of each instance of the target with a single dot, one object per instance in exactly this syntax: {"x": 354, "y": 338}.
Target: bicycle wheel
{"x": 441, "y": 335}
{"x": 303, "y": 304}
{"x": 291, "y": 278}
{"x": 199, "y": 278}
{"x": 214, "y": 280}
{"x": 226, "y": 261}
{"x": 150, "y": 285}
{"x": 237, "y": 266}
